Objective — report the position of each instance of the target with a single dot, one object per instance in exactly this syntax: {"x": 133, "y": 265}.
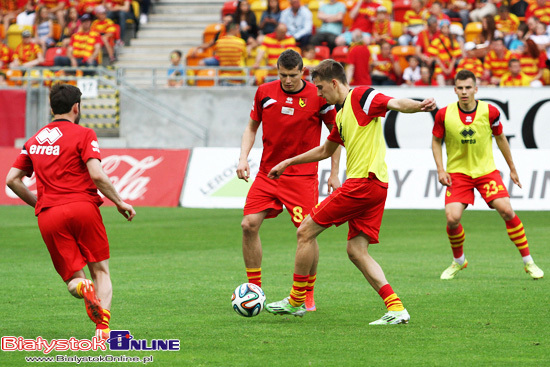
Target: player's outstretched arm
{"x": 313, "y": 155}
{"x": 249, "y": 136}
{"x": 407, "y": 105}
{"x": 504, "y": 147}
{"x": 437, "y": 150}
{"x": 14, "y": 180}
{"x": 104, "y": 184}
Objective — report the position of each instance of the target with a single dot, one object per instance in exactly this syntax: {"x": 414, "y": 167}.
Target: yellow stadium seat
{"x": 314, "y": 8}
{"x": 473, "y": 29}
{"x": 14, "y": 37}
{"x": 374, "y": 49}
{"x": 258, "y": 7}
{"x": 396, "y": 29}
{"x": 388, "y": 4}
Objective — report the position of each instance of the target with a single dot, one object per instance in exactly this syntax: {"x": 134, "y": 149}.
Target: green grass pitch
{"x": 174, "y": 270}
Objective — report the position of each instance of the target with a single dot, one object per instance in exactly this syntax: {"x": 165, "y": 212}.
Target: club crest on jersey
{"x": 50, "y": 136}
{"x": 302, "y": 102}
{"x": 289, "y": 100}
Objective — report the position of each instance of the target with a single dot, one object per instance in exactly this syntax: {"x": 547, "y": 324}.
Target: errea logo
{"x": 50, "y": 136}
{"x": 95, "y": 146}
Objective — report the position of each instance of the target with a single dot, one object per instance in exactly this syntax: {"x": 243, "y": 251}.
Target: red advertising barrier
{"x": 143, "y": 177}
{"x": 12, "y": 116}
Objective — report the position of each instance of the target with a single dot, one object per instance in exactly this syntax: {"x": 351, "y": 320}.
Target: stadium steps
{"x": 173, "y": 25}
{"x": 102, "y": 113}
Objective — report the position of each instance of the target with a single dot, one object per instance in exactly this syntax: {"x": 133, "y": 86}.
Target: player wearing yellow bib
{"x": 360, "y": 200}
{"x": 467, "y": 127}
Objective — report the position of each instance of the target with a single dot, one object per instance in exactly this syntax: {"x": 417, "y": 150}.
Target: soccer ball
{"x": 248, "y": 300}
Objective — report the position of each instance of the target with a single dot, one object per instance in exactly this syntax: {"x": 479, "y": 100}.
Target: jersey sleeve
{"x": 328, "y": 113}
{"x": 90, "y": 147}
{"x": 24, "y": 162}
{"x": 439, "y": 125}
{"x": 374, "y": 103}
{"x": 257, "y": 106}
{"x": 334, "y": 135}
{"x": 494, "y": 120}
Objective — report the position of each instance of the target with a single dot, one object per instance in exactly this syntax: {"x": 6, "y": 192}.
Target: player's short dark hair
{"x": 289, "y": 59}
{"x": 329, "y": 69}
{"x": 465, "y": 75}
{"x": 63, "y": 97}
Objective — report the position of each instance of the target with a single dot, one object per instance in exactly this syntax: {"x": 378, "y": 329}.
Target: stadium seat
{"x": 322, "y": 52}
{"x": 340, "y": 54}
{"x": 13, "y": 73}
{"x": 314, "y": 8}
{"x": 374, "y": 49}
{"x": 51, "y": 53}
{"x": 258, "y": 7}
{"x": 400, "y": 7}
{"x": 205, "y": 73}
{"x": 396, "y": 29}
{"x": 57, "y": 31}
{"x": 2, "y": 31}
{"x": 229, "y": 7}
{"x": 402, "y": 52}
{"x": 14, "y": 37}
{"x": 210, "y": 32}
{"x": 283, "y": 4}
{"x": 347, "y": 22}
{"x": 193, "y": 60}
{"x": 473, "y": 29}
{"x": 388, "y": 4}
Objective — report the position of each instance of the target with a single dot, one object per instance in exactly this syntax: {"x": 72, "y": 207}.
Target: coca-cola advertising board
{"x": 143, "y": 177}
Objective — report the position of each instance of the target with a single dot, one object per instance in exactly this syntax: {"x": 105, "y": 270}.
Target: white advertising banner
{"x": 212, "y": 182}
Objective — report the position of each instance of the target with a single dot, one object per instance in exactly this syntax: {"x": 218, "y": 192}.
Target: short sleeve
{"x": 494, "y": 120}
{"x": 334, "y": 135}
{"x": 90, "y": 148}
{"x": 439, "y": 125}
{"x": 257, "y": 107}
{"x": 24, "y": 162}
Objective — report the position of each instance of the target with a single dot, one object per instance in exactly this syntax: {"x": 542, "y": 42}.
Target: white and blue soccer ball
{"x": 248, "y": 300}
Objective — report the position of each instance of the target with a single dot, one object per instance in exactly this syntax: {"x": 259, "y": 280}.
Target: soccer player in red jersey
{"x": 291, "y": 114}
{"x": 65, "y": 158}
{"x": 467, "y": 128}
{"x": 360, "y": 200}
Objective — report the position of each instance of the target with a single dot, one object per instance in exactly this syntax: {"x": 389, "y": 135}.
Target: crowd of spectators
{"x": 386, "y": 43}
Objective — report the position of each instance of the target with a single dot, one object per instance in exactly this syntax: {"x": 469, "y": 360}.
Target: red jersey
{"x": 363, "y": 20}
{"x": 291, "y": 124}
{"x": 467, "y": 118}
{"x": 359, "y": 57}
{"x": 53, "y": 3}
{"x": 57, "y": 154}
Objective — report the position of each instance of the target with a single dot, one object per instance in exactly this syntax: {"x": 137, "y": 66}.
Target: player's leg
{"x": 252, "y": 246}
{"x": 80, "y": 287}
{"x": 99, "y": 272}
{"x": 358, "y": 253}
{"x": 516, "y": 233}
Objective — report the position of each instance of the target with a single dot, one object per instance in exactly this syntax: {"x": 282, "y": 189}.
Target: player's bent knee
{"x": 250, "y": 226}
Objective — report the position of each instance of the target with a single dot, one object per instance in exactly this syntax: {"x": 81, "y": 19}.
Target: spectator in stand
{"x": 517, "y": 44}
{"x": 496, "y": 62}
{"x": 411, "y": 74}
{"x": 332, "y": 16}
{"x": 482, "y": 9}
{"x": 299, "y": 21}
{"x": 515, "y": 77}
{"x": 9, "y": 9}
{"x": 445, "y": 51}
{"x": 425, "y": 39}
{"x": 120, "y": 11}
{"x": 273, "y": 46}
{"x": 3, "y": 79}
{"x": 107, "y": 30}
{"x": 459, "y": 9}
{"x": 247, "y": 23}
{"x": 87, "y": 6}
{"x": 425, "y": 78}
{"x": 43, "y": 26}
{"x": 414, "y": 21}
{"x": 72, "y": 25}
{"x": 270, "y": 19}
{"x": 6, "y": 55}
{"x": 541, "y": 38}
{"x": 533, "y": 62}
{"x": 308, "y": 57}
{"x": 28, "y": 54}
{"x": 471, "y": 62}
{"x": 213, "y": 61}
{"x": 56, "y": 8}
{"x": 359, "y": 61}
{"x": 176, "y": 69}
{"x": 506, "y": 23}
{"x": 385, "y": 67}
{"x": 539, "y": 9}
{"x": 362, "y": 14}
{"x": 231, "y": 52}
{"x": 84, "y": 47}
{"x": 144, "y": 6}
{"x": 488, "y": 31}
{"x": 381, "y": 27}
{"x": 436, "y": 10}
{"x": 27, "y": 16}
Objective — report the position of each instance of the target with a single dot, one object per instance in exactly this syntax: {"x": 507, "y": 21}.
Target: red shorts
{"x": 297, "y": 193}
{"x": 462, "y": 187}
{"x": 75, "y": 235}
{"x": 359, "y": 202}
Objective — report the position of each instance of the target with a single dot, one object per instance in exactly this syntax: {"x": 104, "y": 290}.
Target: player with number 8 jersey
{"x": 291, "y": 114}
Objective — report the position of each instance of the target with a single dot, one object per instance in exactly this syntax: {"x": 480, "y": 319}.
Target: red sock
{"x": 456, "y": 238}
{"x": 106, "y": 320}
{"x": 298, "y": 292}
{"x": 311, "y": 282}
{"x": 254, "y": 276}
{"x": 516, "y": 232}
{"x": 393, "y": 303}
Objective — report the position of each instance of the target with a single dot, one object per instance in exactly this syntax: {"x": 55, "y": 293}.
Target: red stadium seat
{"x": 340, "y": 54}
{"x": 229, "y": 7}
{"x": 322, "y": 52}
{"x": 51, "y": 53}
